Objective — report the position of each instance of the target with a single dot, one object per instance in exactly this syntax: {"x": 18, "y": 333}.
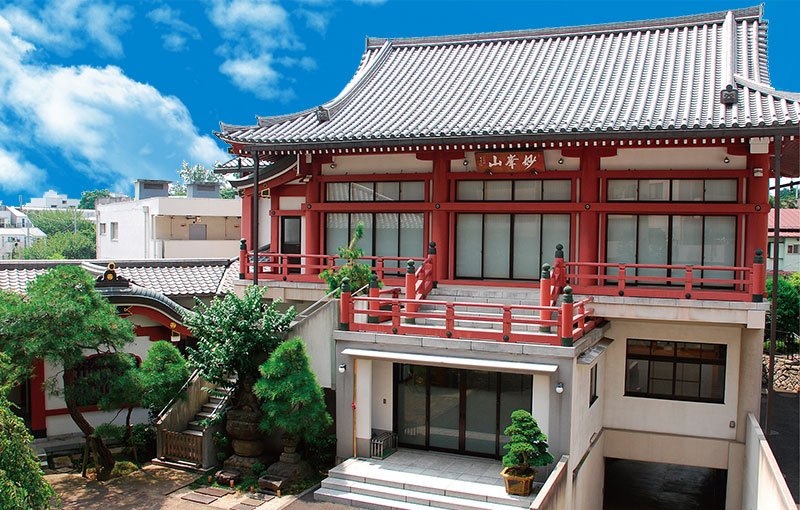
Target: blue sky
{"x": 95, "y": 94}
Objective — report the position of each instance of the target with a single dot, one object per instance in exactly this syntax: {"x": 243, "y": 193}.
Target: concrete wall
{"x": 382, "y": 395}
{"x": 317, "y": 332}
{"x": 670, "y": 416}
{"x": 196, "y": 249}
{"x": 587, "y": 441}
{"x": 763, "y": 486}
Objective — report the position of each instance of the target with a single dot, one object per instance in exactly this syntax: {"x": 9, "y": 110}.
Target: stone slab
{"x": 199, "y": 498}
{"x": 217, "y": 492}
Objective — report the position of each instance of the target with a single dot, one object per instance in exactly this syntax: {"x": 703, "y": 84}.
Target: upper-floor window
{"x": 114, "y": 231}
{"x": 383, "y": 191}
{"x": 793, "y": 248}
{"x": 675, "y": 370}
{"x": 523, "y": 190}
{"x": 102, "y": 229}
{"x": 593, "y": 385}
{"x": 671, "y": 190}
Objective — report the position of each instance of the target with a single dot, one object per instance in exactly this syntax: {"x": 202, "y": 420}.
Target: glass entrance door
{"x": 290, "y": 239}
{"x": 454, "y": 410}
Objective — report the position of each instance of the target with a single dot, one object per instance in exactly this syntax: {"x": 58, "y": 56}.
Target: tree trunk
{"x": 106, "y": 459}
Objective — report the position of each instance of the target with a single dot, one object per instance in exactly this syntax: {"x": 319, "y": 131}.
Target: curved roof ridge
{"x": 624, "y": 26}
{"x": 365, "y": 70}
{"x": 766, "y": 89}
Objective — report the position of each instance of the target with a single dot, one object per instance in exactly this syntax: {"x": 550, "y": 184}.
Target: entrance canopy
{"x": 450, "y": 361}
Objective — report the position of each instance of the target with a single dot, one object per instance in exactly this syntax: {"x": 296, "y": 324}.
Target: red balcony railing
{"x": 677, "y": 281}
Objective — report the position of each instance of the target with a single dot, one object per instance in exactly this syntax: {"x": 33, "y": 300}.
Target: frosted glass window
{"x": 719, "y": 235}
{"x": 556, "y": 190}
{"x": 496, "y": 236}
{"x": 687, "y": 242}
{"x": 366, "y": 242}
{"x": 721, "y": 190}
{"x": 528, "y": 190}
{"x": 469, "y": 245}
{"x": 411, "y": 234}
{"x": 527, "y": 249}
{"x": 653, "y": 190}
{"x": 362, "y": 191}
{"x": 470, "y": 190}
{"x": 555, "y": 230}
{"x": 336, "y": 232}
{"x": 498, "y": 190}
{"x": 620, "y": 240}
{"x": 387, "y": 191}
{"x": 622, "y": 189}
{"x": 338, "y": 192}
{"x": 687, "y": 190}
{"x": 412, "y": 191}
{"x": 653, "y": 244}
{"x": 387, "y": 235}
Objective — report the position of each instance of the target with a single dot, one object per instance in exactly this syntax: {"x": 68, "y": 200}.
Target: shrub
{"x": 528, "y": 445}
{"x": 359, "y": 274}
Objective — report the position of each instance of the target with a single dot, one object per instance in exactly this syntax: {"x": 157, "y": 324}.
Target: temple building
{"x": 571, "y": 221}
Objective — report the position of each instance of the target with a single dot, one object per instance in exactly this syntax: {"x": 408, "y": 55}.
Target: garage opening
{"x": 638, "y": 485}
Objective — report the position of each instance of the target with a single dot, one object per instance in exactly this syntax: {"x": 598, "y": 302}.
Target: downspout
{"x": 146, "y": 211}
{"x": 254, "y": 214}
{"x": 776, "y": 233}
{"x": 355, "y": 385}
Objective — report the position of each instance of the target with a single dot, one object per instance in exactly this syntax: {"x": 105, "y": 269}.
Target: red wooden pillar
{"x": 275, "y": 222}
{"x": 567, "y": 319}
{"x": 440, "y": 231}
{"x": 313, "y": 216}
{"x": 588, "y": 220}
{"x": 758, "y": 197}
{"x": 544, "y": 296}
{"x": 38, "y": 402}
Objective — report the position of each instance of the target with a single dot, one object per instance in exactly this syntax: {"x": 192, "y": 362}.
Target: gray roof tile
{"x": 650, "y": 75}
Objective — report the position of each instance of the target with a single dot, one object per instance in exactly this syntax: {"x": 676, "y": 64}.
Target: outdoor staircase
{"x": 365, "y": 483}
{"x": 482, "y": 294}
{"x": 195, "y": 427}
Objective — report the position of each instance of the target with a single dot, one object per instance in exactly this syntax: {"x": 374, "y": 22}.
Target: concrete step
{"x": 201, "y": 415}
{"x": 483, "y": 293}
{"x": 395, "y": 495}
{"x": 433, "y": 491}
{"x": 191, "y": 432}
{"x": 209, "y": 408}
{"x": 195, "y": 425}
{"x": 465, "y": 324}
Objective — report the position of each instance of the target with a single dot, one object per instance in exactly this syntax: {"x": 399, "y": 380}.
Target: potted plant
{"x": 527, "y": 448}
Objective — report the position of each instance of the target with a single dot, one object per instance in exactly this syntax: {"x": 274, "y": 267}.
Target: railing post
{"x": 432, "y": 255}
{"x": 345, "y": 302}
{"x": 558, "y": 261}
{"x": 567, "y": 338}
{"x": 450, "y": 319}
{"x": 621, "y": 281}
{"x": 544, "y": 297}
{"x": 379, "y": 269}
{"x": 284, "y": 265}
{"x": 411, "y": 289}
{"x": 688, "y": 278}
{"x": 395, "y": 317}
{"x": 758, "y": 279}
{"x": 374, "y": 292}
{"x": 506, "y": 323}
{"x": 242, "y": 258}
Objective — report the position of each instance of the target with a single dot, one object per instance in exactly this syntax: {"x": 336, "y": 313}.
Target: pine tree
{"x": 528, "y": 445}
{"x": 291, "y": 397}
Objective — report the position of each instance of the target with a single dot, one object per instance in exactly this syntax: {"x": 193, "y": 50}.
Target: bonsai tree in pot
{"x": 526, "y": 449}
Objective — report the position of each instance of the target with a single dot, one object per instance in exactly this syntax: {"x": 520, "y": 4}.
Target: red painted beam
{"x": 159, "y": 317}
{"x": 38, "y": 399}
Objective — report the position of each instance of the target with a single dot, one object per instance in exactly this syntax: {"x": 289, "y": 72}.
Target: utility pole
{"x": 776, "y": 232}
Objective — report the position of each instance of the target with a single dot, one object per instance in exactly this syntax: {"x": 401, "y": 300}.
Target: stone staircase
{"x": 373, "y": 483}
{"x": 195, "y": 427}
{"x": 482, "y": 294}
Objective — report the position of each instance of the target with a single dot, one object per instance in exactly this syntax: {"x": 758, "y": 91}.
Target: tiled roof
{"x": 790, "y": 219}
{"x": 173, "y": 278}
{"x": 664, "y": 74}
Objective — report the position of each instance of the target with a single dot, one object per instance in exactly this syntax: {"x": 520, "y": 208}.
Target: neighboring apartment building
{"x": 789, "y": 241}
{"x": 16, "y": 231}
{"x": 53, "y": 200}
{"x": 155, "y": 225}
{"x": 586, "y": 212}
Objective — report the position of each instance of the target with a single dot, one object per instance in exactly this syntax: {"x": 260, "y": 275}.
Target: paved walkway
{"x": 152, "y": 488}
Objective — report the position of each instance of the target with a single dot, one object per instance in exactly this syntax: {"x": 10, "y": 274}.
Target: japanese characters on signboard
{"x": 530, "y": 161}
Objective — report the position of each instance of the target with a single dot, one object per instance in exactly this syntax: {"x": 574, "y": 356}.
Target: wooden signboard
{"x": 529, "y": 161}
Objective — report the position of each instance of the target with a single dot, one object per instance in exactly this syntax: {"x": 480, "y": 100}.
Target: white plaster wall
{"x": 670, "y": 416}
{"x": 377, "y": 163}
{"x": 587, "y": 488}
{"x": 667, "y": 448}
{"x": 764, "y": 486}
{"x": 587, "y": 424}
{"x": 678, "y": 158}
{"x": 291, "y": 203}
{"x": 317, "y": 333}
{"x": 540, "y": 407}
{"x": 197, "y": 249}
{"x": 63, "y": 424}
{"x": 364, "y": 399}
{"x": 382, "y": 404}
{"x": 130, "y": 243}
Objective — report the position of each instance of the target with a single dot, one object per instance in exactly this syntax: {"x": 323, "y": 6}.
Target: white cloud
{"x": 256, "y": 75}
{"x": 17, "y": 174}
{"x": 315, "y": 20}
{"x": 176, "y": 38}
{"x": 102, "y": 121}
{"x": 64, "y": 26}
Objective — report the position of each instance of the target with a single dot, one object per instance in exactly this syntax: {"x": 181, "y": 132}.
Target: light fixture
{"x": 560, "y": 388}
{"x": 466, "y": 163}
{"x": 560, "y": 161}
{"x": 342, "y": 368}
{"x": 726, "y": 160}
{"x": 758, "y": 172}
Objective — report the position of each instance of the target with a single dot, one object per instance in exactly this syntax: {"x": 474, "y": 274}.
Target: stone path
{"x": 154, "y": 488}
